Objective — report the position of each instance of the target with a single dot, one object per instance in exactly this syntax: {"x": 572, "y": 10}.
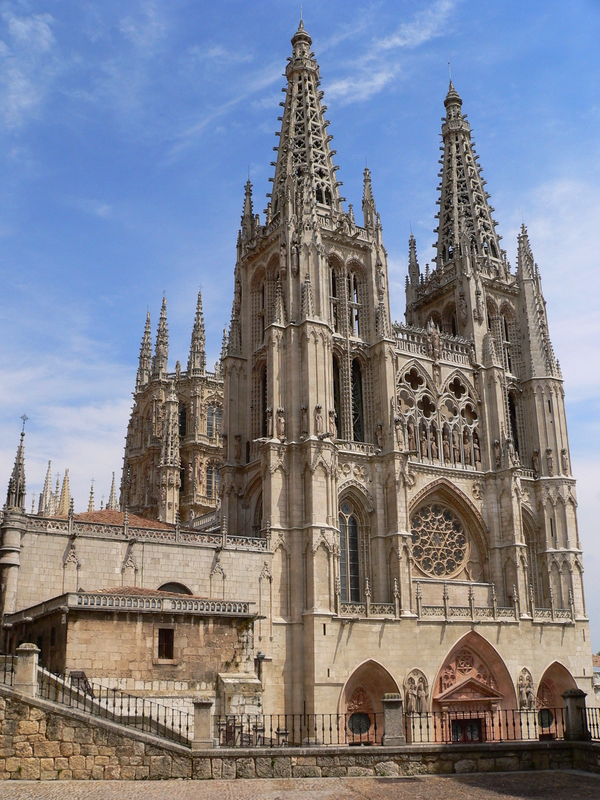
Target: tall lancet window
{"x": 353, "y": 305}
{"x": 336, "y": 396}
{"x": 358, "y": 422}
{"x": 333, "y": 300}
{"x": 182, "y": 420}
{"x": 349, "y": 555}
{"x": 263, "y": 403}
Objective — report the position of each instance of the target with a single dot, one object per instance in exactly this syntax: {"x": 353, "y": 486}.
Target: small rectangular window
{"x": 166, "y": 639}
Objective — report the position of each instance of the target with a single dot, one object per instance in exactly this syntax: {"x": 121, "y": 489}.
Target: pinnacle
{"x": 16, "y": 486}
{"x": 452, "y": 96}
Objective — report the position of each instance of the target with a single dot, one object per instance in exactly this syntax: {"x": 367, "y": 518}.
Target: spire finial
{"x": 16, "y": 486}
{"x": 24, "y": 417}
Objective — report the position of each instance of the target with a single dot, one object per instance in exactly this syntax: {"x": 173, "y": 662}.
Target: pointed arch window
{"x": 212, "y": 481}
{"x": 182, "y": 420}
{"x": 349, "y": 555}
{"x": 358, "y": 422}
{"x": 512, "y": 411}
{"x": 333, "y": 300}
{"x": 354, "y": 309}
{"x": 337, "y": 394}
{"x": 213, "y": 421}
{"x": 263, "y": 403}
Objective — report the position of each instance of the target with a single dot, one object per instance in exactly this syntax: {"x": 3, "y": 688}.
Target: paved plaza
{"x": 498, "y": 786}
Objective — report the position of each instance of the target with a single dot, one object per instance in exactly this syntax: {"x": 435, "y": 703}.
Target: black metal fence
{"x": 592, "y": 720}
{"x": 297, "y": 730}
{"x": 448, "y": 727}
{"x": 113, "y": 704}
{"x": 471, "y": 727}
{"x": 7, "y": 669}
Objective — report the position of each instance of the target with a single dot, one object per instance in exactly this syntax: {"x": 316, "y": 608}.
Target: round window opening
{"x": 359, "y": 723}
{"x": 439, "y": 541}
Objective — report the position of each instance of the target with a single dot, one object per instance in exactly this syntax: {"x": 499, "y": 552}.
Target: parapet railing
{"x": 472, "y": 727}
{"x": 117, "y": 706}
{"x": 7, "y": 669}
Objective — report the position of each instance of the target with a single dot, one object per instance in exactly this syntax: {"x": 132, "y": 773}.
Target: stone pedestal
{"x": 393, "y": 720}
{"x": 203, "y": 738}
{"x": 25, "y": 680}
{"x": 576, "y": 728}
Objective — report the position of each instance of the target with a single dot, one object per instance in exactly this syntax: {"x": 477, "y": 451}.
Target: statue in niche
{"x": 190, "y": 472}
{"x": 472, "y": 354}
{"x": 379, "y": 435}
{"x": 564, "y": 461}
{"x": 510, "y": 452}
{"x": 225, "y": 452}
{"x": 332, "y": 425}
{"x": 158, "y": 429}
{"x": 237, "y": 447}
{"x": 295, "y": 256}
{"x": 434, "y": 444}
{"x": 476, "y": 450}
{"x": 237, "y": 297}
{"x": 462, "y": 308}
{"x": 456, "y": 447}
{"x": 381, "y": 282}
{"x": 434, "y": 344}
{"x": 446, "y": 446}
{"x": 412, "y": 442}
{"x": 304, "y": 420}
{"x": 318, "y": 420}
{"x": 399, "y": 430}
{"x": 422, "y": 696}
{"x": 525, "y": 689}
{"x": 423, "y": 444}
{"x": 282, "y": 260}
{"x": 410, "y": 696}
{"x": 550, "y": 461}
{"x": 281, "y": 423}
{"x": 269, "y": 423}
{"x": 178, "y": 371}
{"x": 467, "y": 446}
{"x": 535, "y": 462}
{"x": 497, "y": 453}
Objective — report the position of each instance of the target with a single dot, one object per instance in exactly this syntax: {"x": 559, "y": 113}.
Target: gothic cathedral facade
{"x": 395, "y": 500}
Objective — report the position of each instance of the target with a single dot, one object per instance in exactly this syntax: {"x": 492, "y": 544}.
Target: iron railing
{"x": 297, "y": 730}
{"x": 7, "y": 669}
{"x": 117, "y": 706}
{"x": 591, "y": 721}
{"x": 471, "y": 727}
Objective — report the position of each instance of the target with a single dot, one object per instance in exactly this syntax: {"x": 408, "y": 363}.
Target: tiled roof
{"x": 108, "y": 517}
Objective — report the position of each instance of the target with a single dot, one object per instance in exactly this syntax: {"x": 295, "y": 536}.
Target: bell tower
{"x": 307, "y": 372}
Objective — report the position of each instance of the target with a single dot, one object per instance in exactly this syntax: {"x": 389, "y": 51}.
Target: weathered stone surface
{"x": 388, "y": 768}
{"x": 465, "y": 765}
{"x": 306, "y": 772}
{"x": 245, "y": 768}
{"x": 282, "y": 767}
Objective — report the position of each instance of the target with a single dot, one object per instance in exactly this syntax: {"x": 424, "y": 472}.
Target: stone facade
{"x": 396, "y": 499}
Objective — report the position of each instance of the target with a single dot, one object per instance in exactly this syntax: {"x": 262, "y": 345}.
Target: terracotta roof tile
{"x": 137, "y": 591}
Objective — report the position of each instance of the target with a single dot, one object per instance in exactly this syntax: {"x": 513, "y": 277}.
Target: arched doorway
{"x": 473, "y": 693}
{"x": 549, "y": 701}
{"x": 360, "y": 703}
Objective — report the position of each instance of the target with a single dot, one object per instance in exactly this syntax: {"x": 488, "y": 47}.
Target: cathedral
{"x": 367, "y": 506}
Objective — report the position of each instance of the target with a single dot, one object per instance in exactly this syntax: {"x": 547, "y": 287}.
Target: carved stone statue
{"x": 269, "y": 422}
{"x": 446, "y": 447}
{"x": 434, "y": 343}
{"x": 410, "y": 696}
{"x": 434, "y": 444}
{"x": 564, "y": 461}
{"x": 456, "y": 447}
{"x": 412, "y": 442}
{"x": 281, "y": 423}
{"x": 379, "y": 435}
{"x": 550, "y": 461}
{"x": 467, "y": 447}
{"x": 422, "y": 696}
{"x": 423, "y": 444}
{"x": 497, "y": 453}
{"x": 381, "y": 282}
{"x": 332, "y": 425}
{"x": 318, "y": 420}
{"x": 462, "y": 308}
{"x": 237, "y": 447}
{"x": 304, "y": 421}
{"x": 535, "y": 462}
{"x": 399, "y": 430}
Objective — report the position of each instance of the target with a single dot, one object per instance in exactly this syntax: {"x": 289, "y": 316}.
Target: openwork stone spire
{"x": 540, "y": 352}
{"x": 465, "y": 218}
{"x": 170, "y": 445}
{"x": 368, "y": 203}
{"x": 197, "y": 358}
{"x": 113, "y": 503}
{"x": 161, "y": 348}
{"x": 304, "y": 155}
{"x": 91, "y": 500}
{"x": 145, "y": 364}
{"x": 65, "y": 497}
{"x": 15, "y": 497}
{"x": 45, "y": 501}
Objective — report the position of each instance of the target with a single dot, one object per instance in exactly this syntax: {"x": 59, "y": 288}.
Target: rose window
{"x": 439, "y": 541}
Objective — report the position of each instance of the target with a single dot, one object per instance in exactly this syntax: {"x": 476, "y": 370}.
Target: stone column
{"x": 25, "y": 679}
{"x": 576, "y": 727}
{"x": 393, "y": 720}
{"x": 203, "y": 739}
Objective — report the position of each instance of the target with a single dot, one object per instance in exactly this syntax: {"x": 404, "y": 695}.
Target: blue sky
{"x": 126, "y": 136}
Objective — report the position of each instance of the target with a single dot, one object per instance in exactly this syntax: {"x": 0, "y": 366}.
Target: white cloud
{"x": 429, "y": 23}
{"x": 28, "y": 66}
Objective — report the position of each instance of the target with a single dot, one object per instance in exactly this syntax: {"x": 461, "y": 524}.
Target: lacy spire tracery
{"x": 465, "y": 218}
{"x": 304, "y": 155}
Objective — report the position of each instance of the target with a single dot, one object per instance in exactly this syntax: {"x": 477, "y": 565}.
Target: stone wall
{"x": 41, "y": 741}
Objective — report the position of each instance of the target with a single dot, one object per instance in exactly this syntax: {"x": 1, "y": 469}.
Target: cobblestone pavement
{"x": 498, "y": 786}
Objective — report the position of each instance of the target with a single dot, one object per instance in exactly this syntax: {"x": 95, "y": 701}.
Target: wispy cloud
{"x": 29, "y": 65}
{"x": 380, "y": 65}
